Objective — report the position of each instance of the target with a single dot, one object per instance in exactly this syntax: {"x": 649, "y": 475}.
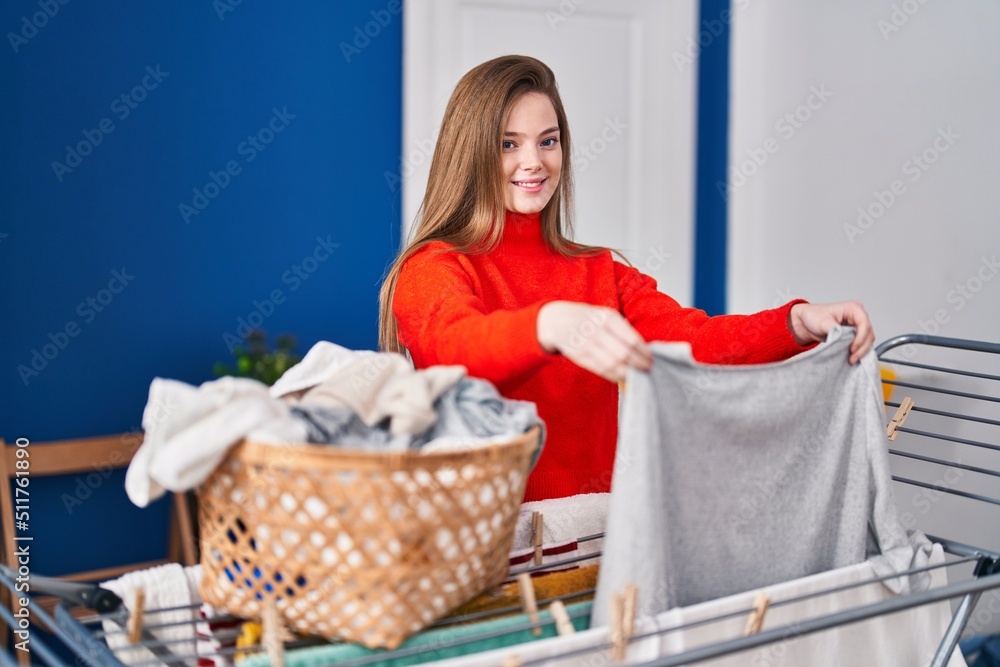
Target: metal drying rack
{"x": 945, "y": 449}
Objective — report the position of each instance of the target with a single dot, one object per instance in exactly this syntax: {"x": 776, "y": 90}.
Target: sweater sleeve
{"x": 725, "y": 339}
{"x": 441, "y": 320}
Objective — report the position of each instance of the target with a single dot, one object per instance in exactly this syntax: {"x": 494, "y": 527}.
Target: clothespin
{"x": 897, "y": 419}
{"x": 537, "y": 523}
{"x": 623, "y": 609}
{"x": 756, "y": 619}
{"x": 528, "y": 600}
{"x": 628, "y": 611}
{"x": 274, "y": 634}
{"x": 563, "y": 625}
{"x": 512, "y": 660}
{"x": 135, "y": 616}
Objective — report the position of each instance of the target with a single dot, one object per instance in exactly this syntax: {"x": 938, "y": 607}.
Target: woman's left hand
{"x": 810, "y": 322}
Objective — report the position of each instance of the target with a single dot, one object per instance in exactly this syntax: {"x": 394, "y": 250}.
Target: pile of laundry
{"x": 358, "y": 399}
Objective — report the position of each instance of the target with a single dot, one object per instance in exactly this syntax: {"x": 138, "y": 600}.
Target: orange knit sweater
{"x": 480, "y": 311}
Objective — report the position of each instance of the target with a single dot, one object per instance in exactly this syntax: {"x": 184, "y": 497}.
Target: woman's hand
{"x": 810, "y": 322}
{"x": 593, "y": 337}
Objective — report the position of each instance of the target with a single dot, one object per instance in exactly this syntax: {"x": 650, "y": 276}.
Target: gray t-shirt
{"x": 730, "y": 478}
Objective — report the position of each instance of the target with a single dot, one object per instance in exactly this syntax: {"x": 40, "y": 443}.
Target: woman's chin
{"x": 523, "y": 207}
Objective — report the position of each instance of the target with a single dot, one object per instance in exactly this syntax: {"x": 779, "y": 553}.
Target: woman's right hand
{"x": 596, "y": 338}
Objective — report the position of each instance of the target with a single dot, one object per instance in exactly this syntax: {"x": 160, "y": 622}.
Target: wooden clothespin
{"x": 897, "y": 419}
{"x": 563, "y": 625}
{"x": 623, "y": 609}
{"x": 528, "y": 600}
{"x": 135, "y": 616}
{"x": 537, "y": 524}
{"x": 756, "y": 619}
{"x": 274, "y": 634}
{"x": 512, "y": 660}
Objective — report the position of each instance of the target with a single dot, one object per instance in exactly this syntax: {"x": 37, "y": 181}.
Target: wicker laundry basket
{"x": 366, "y": 547}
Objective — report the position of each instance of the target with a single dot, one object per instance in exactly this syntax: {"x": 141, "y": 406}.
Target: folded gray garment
{"x": 472, "y": 408}
{"x": 730, "y": 478}
{"x": 342, "y": 426}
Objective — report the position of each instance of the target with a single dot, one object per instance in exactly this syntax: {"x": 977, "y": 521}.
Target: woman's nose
{"x": 530, "y": 159}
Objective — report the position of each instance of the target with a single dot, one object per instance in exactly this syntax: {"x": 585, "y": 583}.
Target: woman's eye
{"x": 551, "y": 141}
{"x": 507, "y": 145}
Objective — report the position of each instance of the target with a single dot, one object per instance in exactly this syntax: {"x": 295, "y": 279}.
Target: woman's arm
{"x": 770, "y": 335}
{"x": 725, "y": 339}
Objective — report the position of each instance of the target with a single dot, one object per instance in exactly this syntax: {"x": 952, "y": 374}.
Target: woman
{"x": 492, "y": 282}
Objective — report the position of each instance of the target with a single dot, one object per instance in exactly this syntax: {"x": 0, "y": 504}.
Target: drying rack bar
{"x": 811, "y": 626}
{"x": 939, "y": 390}
{"x": 945, "y": 489}
{"x": 942, "y": 369}
{"x": 37, "y": 645}
{"x": 945, "y": 462}
{"x": 945, "y": 413}
{"x": 937, "y": 341}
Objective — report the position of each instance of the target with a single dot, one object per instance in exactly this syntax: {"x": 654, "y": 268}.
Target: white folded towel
{"x": 565, "y": 519}
{"x": 165, "y": 587}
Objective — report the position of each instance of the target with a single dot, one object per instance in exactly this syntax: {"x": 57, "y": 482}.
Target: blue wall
{"x": 711, "y": 230}
{"x": 106, "y": 273}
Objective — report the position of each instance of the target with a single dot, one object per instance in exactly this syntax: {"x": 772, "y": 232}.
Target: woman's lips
{"x": 530, "y": 186}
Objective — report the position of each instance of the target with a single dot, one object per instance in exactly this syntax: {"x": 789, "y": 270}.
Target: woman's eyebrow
{"x": 521, "y": 134}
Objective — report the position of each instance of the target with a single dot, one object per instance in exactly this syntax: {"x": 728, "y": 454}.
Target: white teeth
{"x": 526, "y": 184}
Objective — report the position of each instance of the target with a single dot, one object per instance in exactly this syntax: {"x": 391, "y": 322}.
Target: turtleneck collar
{"x": 521, "y": 218}
{"x": 522, "y": 229}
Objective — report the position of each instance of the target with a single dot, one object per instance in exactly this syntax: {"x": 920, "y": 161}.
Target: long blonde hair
{"x": 464, "y": 201}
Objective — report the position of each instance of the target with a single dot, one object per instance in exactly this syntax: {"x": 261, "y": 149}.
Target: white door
{"x": 628, "y": 84}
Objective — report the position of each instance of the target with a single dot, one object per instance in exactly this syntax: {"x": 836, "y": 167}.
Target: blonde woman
{"x": 492, "y": 281}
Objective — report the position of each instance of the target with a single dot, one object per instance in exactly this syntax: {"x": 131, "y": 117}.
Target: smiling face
{"x": 532, "y": 156}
